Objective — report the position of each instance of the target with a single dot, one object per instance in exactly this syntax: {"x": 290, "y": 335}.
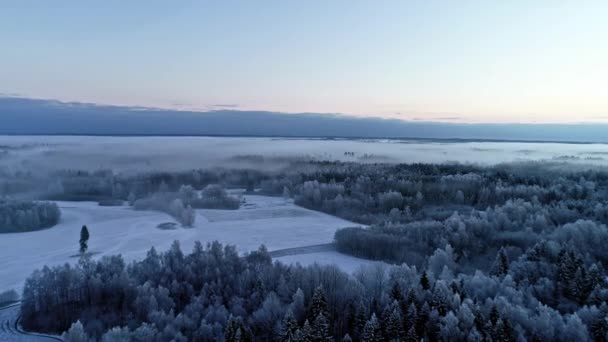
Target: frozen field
{"x": 138, "y": 154}
{"x": 275, "y": 222}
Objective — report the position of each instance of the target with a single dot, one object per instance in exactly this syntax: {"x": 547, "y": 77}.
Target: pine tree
{"x": 396, "y": 293}
{"x": 411, "y": 335}
{"x": 320, "y": 329}
{"x": 360, "y": 320}
{"x": 410, "y": 318}
{"x": 318, "y": 304}
{"x": 501, "y": 264}
{"x": 394, "y": 326}
{"x": 84, "y": 239}
{"x": 494, "y": 315}
{"x": 423, "y": 316}
{"x": 599, "y": 326}
{"x": 236, "y": 331}
{"x": 439, "y": 301}
{"x": 424, "y": 281}
{"x": 347, "y": 338}
{"x": 371, "y": 331}
{"x": 305, "y": 334}
{"x": 289, "y": 328}
{"x": 503, "y": 331}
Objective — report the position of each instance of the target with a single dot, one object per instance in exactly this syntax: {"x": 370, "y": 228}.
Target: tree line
{"x": 24, "y": 216}
{"x": 213, "y": 294}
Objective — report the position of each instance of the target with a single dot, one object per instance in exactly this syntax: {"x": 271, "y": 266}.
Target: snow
{"x": 275, "y": 222}
{"x": 9, "y": 330}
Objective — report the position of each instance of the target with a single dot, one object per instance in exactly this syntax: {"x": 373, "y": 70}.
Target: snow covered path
{"x": 10, "y": 330}
{"x": 275, "y": 222}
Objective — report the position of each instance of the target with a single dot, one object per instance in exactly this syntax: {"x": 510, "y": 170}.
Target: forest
{"x": 213, "y": 294}
{"x": 506, "y": 252}
{"x": 24, "y": 216}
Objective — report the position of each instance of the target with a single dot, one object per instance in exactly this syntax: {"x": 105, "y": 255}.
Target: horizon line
{"x": 234, "y": 108}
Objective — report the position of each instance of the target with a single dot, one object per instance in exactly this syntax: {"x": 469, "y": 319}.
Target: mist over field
{"x": 133, "y": 154}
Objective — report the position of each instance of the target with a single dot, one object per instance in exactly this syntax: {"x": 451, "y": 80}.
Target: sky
{"x": 516, "y": 61}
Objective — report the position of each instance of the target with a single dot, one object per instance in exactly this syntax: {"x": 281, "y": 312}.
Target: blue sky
{"x": 464, "y": 61}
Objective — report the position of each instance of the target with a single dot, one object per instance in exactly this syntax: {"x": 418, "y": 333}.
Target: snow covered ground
{"x": 10, "y": 329}
{"x": 275, "y": 222}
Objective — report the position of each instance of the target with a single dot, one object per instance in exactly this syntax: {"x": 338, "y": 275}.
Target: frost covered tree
{"x": 372, "y": 331}
{"x": 75, "y": 333}
{"x": 23, "y": 216}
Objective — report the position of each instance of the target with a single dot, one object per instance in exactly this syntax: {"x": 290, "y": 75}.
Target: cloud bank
{"x": 23, "y": 116}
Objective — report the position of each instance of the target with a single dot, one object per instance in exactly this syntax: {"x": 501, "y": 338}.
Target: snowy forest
{"x": 24, "y": 216}
{"x": 504, "y": 253}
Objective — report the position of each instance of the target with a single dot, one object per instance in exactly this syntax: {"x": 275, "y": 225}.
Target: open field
{"x": 274, "y": 222}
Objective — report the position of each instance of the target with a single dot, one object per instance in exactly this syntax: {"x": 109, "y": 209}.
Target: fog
{"x": 137, "y": 154}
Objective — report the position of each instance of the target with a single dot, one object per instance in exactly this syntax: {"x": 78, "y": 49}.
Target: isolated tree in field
{"x": 84, "y": 239}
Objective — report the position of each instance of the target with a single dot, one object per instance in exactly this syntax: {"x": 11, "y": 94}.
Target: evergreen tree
{"x": 236, "y": 331}
{"x": 84, "y": 239}
{"x": 372, "y": 331}
{"x": 494, "y": 315}
{"x": 411, "y": 317}
{"x": 306, "y": 333}
{"x": 501, "y": 264}
{"x": 320, "y": 329}
{"x": 289, "y": 328}
{"x": 422, "y": 318}
{"x": 396, "y": 293}
{"x": 359, "y": 321}
{"x": 503, "y": 331}
{"x": 318, "y": 304}
{"x": 394, "y": 326}
{"x": 599, "y": 326}
{"x": 424, "y": 281}
{"x": 411, "y": 335}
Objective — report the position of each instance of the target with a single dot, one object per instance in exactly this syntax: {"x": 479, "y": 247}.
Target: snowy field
{"x": 275, "y": 222}
{"x": 178, "y": 153}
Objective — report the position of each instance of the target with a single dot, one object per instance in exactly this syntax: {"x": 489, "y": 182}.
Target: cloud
{"x": 36, "y": 116}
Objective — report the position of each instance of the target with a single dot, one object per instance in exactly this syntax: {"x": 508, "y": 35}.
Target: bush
{"x": 214, "y": 196}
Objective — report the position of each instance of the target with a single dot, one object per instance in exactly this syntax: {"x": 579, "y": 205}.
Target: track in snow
{"x": 10, "y": 329}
